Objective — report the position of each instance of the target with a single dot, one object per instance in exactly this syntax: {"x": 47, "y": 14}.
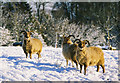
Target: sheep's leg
{"x": 66, "y": 62}
{"x": 98, "y": 67}
{"x": 103, "y": 67}
{"x": 39, "y": 55}
{"x": 72, "y": 64}
{"x": 80, "y": 68}
{"x": 75, "y": 61}
{"x": 30, "y": 55}
{"x": 76, "y": 64}
{"x": 85, "y": 69}
{"x": 26, "y": 54}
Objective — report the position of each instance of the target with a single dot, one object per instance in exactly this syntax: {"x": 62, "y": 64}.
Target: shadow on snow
{"x": 39, "y": 66}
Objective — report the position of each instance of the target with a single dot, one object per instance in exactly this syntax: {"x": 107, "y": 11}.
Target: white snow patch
{"x": 51, "y": 67}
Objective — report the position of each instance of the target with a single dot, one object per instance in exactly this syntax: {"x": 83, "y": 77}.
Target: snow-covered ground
{"x": 51, "y": 67}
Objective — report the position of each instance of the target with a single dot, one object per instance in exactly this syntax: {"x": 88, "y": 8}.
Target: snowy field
{"x": 51, "y": 67}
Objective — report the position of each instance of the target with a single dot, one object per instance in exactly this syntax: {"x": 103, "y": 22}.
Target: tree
{"x": 15, "y": 19}
{"x": 92, "y": 14}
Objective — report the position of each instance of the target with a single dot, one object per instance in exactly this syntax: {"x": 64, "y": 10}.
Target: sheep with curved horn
{"x": 69, "y": 50}
{"x": 31, "y": 45}
{"x": 89, "y": 56}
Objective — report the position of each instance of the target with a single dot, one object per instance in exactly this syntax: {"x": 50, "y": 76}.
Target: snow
{"x": 51, "y": 67}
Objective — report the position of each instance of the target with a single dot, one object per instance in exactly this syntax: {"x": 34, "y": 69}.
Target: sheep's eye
{"x": 80, "y": 43}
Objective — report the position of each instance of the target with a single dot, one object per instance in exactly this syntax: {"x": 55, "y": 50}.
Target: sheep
{"x": 31, "y": 45}
{"x": 69, "y": 50}
{"x": 89, "y": 56}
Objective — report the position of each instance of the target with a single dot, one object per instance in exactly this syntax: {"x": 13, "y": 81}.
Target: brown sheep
{"x": 31, "y": 45}
{"x": 89, "y": 56}
{"x": 69, "y": 50}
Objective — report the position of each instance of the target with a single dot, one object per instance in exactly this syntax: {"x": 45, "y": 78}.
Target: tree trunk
{"x": 56, "y": 41}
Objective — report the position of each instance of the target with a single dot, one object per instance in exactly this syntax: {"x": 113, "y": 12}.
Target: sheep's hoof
{"x": 39, "y": 57}
{"x": 26, "y": 56}
{"x": 84, "y": 73}
{"x": 97, "y": 71}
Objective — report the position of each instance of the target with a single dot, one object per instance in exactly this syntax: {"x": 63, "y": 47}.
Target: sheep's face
{"x": 27, "y": 35}
{"x": 81, "y": 44}
{"x": 65, "y": 39}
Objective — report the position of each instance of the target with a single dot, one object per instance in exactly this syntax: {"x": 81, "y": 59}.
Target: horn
{"x": 31, "y": 32}
{"x": 23, "y": 31}
{"x": 87, "y": 42}
{"x": 77, "y": 40}
{"x": 77, "y": 35}
{"x": 71, "y": 36}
